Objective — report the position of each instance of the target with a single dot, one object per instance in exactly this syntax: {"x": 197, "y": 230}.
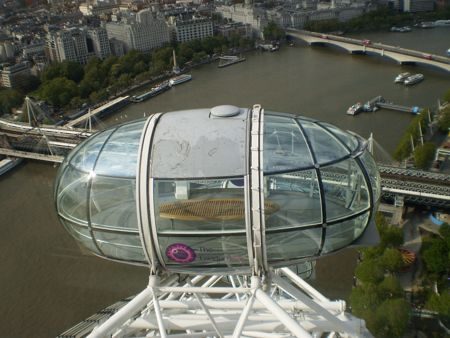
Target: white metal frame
{"x": 210, "y": 306}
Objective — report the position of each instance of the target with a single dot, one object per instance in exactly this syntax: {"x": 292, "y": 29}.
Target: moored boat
{"x": 400, "y": 78}
{"x": 229, "y": 60}
{"x": 179, "y": 79}
{"x": 442, "y": 23}
{"x": 163, "y": 86}
{"x": 355, "y": 109}
{"x": 413, "y": 79}
{"x": 8, "y": 163}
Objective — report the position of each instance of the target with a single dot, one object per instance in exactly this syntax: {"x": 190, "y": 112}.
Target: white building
{"x": 100, "y": 43}
{"x": 145, "y": 32}
{"x": 188, "y": 30}
{"x": 418, "y": 5}
{"x": 13, "y": 76}
{"x": 255, "y": 17}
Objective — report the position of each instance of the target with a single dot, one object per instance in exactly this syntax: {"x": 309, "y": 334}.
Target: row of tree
{"x": 68, "y": 84}
{"x": 435, "y": 253}
{"x": 378, "y": 297}
{"x": 423, "y": 153}
{"x": 381, "y": 19}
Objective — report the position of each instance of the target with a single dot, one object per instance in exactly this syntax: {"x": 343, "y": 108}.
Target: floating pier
{"x": 379, "y": 102}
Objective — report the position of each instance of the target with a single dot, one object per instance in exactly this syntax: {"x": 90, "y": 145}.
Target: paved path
{"x": 412, "y": 242}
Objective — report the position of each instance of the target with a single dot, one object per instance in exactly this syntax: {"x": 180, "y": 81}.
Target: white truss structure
{"x": 277, "y": 305}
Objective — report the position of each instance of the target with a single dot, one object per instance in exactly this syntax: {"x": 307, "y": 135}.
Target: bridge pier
{"x": 395, "y": 211}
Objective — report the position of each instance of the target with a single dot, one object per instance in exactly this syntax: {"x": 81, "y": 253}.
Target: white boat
{"x": 179, "y": 79}
{"x": 413, "y": 79}
{"x": 400, "y": 78}
{"x": 355, "y": 109}
{"x": 448, "y": 52}
{"x": 8, "y": 163}
{"x": 405, "y": 29}
{"x": 442, "y": 23}
{"x": 225, "y": 61}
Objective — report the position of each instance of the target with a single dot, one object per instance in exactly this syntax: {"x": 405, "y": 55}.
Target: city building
{"x": 196, "y": 28}
{"x": 417, "y": 5}
{"x": 253, "y": 16}
{"x": 13, "y": 76}
{"x": 77, "y": 44}
{"x": 142, "y": 32}
{"x": 234, "y": 28}
{"x": 97, "y": 39}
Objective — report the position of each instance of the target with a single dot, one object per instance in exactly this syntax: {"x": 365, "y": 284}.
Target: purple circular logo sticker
{"x": 180, "y": 253}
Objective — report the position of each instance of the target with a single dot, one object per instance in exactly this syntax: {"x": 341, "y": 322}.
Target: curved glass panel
{"x": 199, "y": 145}
{"x": 73, "y": 195}
{"x": 295, "y": 244}
{"x": 284, "y": 145}
{"x": 113, "y": 202}
{"x": 345, "y": 189}
{"x": 374, "y": 175}
{"x": 342, "y": 234}
{"x": 122, "y": 246}
{"x": 86, "y": 155}
{"x": 324, "y": 146}
{"x": 119, "y": 155}
{"x": 348, "y": 139}
{"x": 199, "y": 205}
{"x": 81, "y": 234}
{"x": 294, "y": 199}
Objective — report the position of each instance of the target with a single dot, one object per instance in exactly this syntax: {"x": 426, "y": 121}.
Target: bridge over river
{"x": 402, "y": 56}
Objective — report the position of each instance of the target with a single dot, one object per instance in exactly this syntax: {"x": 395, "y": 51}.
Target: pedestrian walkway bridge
{"x": 402, "y": 56}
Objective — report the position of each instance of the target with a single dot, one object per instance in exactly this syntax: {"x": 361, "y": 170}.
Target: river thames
{"x": 47, "y": 284}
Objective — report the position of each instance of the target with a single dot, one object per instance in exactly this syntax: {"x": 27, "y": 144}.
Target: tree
{"x": 444, "y": 120}
{"x": 392, "y": 260}
{"x": 447, "y": 96}
{"x": 424, "y": 155}
{"x": 273, "y": 32}
{"x": 440, "y": 303}
{"x": 436, "y": 256}
{"x": 29, "y": 84}
{"x": 364, "y": 300}
{"x": 9, "y": 99}
{"x": 68, "y": 69}
{"x": 370, "y": 271}
{"x": 391, "y": 318}
{"x": 390, "y": 288}
{"x": 59, "y": 91}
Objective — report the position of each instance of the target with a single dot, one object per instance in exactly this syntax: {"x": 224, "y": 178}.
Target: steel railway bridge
{"x": 50, "y": 143}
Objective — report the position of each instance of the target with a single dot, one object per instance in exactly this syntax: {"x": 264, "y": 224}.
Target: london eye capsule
{"x": 221, "y": 190}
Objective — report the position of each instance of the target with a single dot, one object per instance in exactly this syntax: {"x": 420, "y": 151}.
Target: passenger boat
{"x": 229, "y": 60}
{"x": 355, "y": 109}
{"x": 405, "y": 29}
{"x": 8, "y": 163}
{"x": 400, "y": 78}
{"x": 162, "y": 87}
{"x": 179, "y": 79}
{"x": 413, "y": 79}
{"x": 442, "y": 23}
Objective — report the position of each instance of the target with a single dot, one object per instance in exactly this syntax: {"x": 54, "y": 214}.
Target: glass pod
{"x": 221, "y": 190}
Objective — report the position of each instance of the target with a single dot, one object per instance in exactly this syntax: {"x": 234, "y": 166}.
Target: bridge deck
{"x": 401, "y": 55}
{"x": 31, "y": 155}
